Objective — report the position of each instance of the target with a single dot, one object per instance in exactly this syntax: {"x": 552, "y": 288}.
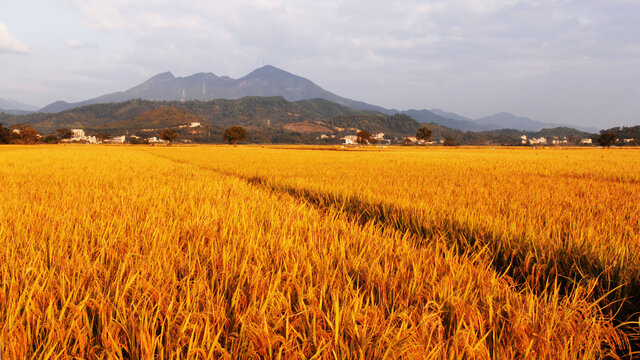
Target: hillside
{"x": 13, "y": 105}
{"x": 502, "y": 136}
{"x": 263, "y": 114}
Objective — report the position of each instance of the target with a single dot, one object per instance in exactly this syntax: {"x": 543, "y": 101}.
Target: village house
{"x": 586, "y": 141}
{"x": 78, "y": 135}
{"x": 118, "y": 139}
{"x": 378, "y": 136}
{"x": 538, "y": 141}
{"x": 156, "y": 140}
{"x": 557, "y": 141}
{"x": 349, "y": 140}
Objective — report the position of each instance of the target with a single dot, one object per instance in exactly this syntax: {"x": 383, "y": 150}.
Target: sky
{"x": 562, "y": 61}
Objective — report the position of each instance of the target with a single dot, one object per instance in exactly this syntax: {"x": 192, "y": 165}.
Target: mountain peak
{"x": 270, "y": 71}
{"x": 504, "y": 113}
{"x": 167, "y": 75}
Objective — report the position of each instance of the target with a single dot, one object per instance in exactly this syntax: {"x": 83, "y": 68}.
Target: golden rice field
{"x": 216, "y": 252}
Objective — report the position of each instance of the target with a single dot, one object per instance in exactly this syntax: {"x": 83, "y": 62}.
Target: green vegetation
{"x": 424, "y": 133}
{"x": 168, "y": 135}
{"x": 364, "y": 137}
{"x": 157, "y": 118}
{"x": 265, "y": 119}
{"x": 624, "y": 135}
{"x": 233, "y": 134}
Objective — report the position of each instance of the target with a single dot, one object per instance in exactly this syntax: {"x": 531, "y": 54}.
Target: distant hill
{"x": 450, "y": 115}
{"x": 259, "y": 113}
{"x": 12, "y": 105}
{"x": 15, "y": 112}
{"x": 505, "y": 120}
{"x": 503, "y": 136}
{"x": 159, "y": 118}
{"x": 427, "y": 116}
{"x": 269, "y": 120}
{"x": 267, "y": 81}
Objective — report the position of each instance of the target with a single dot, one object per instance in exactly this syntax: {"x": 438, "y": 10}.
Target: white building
{"x": 378, "y": 136}
{"x": 538, "y": 141}
{"x": 557, "y": 141}
{"x": 155, "y": 140}
{"x": 349, "y": 140}
{"x": 586, "y": 141}
{"x": 524, "y": 139}
{"x": 118, "y": 139}
{"x": 77, "y": 135}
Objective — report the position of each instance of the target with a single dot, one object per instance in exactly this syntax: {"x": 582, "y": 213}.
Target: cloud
{"x": 9, "y": 43}
{"x": 471, "y": 56}
{"x": 77, "y": 44}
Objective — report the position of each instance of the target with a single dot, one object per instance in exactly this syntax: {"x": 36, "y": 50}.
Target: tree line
{"x": 22, "y": 134}
{"x": 27, "y": 135}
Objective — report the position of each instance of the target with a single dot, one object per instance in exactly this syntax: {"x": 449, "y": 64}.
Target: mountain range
{"x": 15, "y": 107}
{"x": 266, "y": 81}
{"x": 269, "y": 81}
{"x": 502, "y": 120}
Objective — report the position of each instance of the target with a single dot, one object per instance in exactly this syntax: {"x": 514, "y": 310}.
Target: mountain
{"x": 449, "y": 115}
{"x": 15, "y": 112}
{"x": 505, "y": 120}
{"x": 9, "y": 104}
{"x": 269, "y": 81}
{"x": 427, "y": 116}
{"x": 260, "y": 114}
{"x": 266, "y": 81}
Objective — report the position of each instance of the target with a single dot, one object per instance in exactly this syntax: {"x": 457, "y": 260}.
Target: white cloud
{"x": 9, "y": 43}
{"x": 409, "y": 53}
{"x": 76, "y": 44}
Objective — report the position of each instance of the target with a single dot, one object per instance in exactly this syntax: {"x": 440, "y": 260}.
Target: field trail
{"x": 211, "y": 252}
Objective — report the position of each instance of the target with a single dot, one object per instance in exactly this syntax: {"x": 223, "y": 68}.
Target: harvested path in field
{"x": 618, "y": 288}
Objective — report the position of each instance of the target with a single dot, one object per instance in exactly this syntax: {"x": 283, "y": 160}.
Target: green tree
{"x": 26, "y": 134}
{"x": 233, "y": 134}
{"x": 64, "y": 134}
{"x": 5, "y": 135}
{"x": 102, "y": 136}
{"x": 607, "y": 139}
{"x": 168, "y": 135}
{"x": 424, "y": 133}
{"x": 363, "y": 137}
{"x": 449, "y": 141}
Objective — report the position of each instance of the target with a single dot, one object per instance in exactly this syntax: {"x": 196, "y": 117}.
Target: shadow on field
{"x": 615, "y": 288}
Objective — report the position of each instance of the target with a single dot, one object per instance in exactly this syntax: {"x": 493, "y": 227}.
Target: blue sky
{"x": 560, "y": 61}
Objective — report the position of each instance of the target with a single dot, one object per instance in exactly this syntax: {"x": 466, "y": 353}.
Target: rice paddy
{"x": 297, "y": 253}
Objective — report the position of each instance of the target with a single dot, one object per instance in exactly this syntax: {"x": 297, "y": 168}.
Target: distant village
{"x": 381, "y": 139}
{"x": 332, "y": 135}
{"x": 78, "y": 135}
